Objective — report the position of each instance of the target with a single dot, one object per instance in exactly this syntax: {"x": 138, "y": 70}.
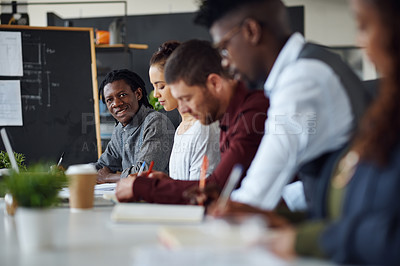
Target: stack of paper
{"x": 104, "y": 194}
{"x": 146, "y": 212}
{"x": 102, "y": 189}
{"x": 99, "y": 190}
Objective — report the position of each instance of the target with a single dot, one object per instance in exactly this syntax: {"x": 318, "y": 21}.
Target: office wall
{"x": 328, "y": 22}
{"x": 331, "y": 22}
{"x": 37, "y": 13}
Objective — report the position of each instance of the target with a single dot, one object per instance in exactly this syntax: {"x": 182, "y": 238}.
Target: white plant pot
{"x": 34, "y": 229}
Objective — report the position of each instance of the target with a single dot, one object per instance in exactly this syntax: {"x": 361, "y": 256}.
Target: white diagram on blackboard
{"x": 36, "y": 83}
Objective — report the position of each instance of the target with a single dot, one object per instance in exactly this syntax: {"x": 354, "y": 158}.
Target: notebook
{"x": 146, "y": 212}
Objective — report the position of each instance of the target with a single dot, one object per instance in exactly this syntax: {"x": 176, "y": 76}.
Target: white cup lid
{"x": 81, "y": 169}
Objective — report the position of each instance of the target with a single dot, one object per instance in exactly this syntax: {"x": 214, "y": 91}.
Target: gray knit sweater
{"x": 148, "y": 137}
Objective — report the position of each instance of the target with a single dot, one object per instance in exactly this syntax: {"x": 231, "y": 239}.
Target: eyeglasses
{"x": 221, "y": 45}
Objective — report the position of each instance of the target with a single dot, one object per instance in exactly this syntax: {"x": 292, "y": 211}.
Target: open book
{"x": 146, "y": 212}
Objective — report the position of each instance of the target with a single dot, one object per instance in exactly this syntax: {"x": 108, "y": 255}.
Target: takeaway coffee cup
{"x": 82, "y": 179}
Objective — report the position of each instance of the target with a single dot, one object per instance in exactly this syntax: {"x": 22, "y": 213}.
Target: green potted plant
{"x": 5, "y": 162}
{"x": 35, "y": 191}
{"x": 154, "y": 101}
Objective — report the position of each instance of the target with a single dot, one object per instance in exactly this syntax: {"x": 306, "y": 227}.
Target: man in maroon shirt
{"x": 204, "y": 89}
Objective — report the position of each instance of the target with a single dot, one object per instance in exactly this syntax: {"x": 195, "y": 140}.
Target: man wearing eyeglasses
{"x": 310, "y": 112}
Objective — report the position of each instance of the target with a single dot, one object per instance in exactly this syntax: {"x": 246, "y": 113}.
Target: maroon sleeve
{"x": 244, "y": 138}
{"x": 239, "y": 146}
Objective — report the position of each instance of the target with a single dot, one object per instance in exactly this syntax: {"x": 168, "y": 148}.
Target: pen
{"x": 230, "y": 185}
{"x": 150, "y": 168}
{"x": 203, "y": 172}
{"x": 141, "y": 168}
{"x": 61, "y": 158}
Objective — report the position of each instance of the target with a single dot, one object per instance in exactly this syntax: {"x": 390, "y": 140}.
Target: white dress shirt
{"x": 309, "y": 115}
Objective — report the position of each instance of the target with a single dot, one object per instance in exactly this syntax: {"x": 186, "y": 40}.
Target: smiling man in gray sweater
{"x": 141, "y": 135}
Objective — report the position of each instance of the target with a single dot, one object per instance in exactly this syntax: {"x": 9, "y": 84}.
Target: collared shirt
{"x": 309, "y": 115}
{"x": 242, "y": 128}
{"x": 148, "y": 137}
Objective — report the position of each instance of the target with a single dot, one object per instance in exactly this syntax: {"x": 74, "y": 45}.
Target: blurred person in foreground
{"x": 363, "y": 198}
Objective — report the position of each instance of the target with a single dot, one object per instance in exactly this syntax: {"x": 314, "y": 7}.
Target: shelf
{"x": 120, "y": 47}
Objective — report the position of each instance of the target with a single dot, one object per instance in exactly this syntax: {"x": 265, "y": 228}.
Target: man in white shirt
{"x": 310, "y": 112}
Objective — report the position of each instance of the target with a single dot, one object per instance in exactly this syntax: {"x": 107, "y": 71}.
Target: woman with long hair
{"x": 192, "y": 139}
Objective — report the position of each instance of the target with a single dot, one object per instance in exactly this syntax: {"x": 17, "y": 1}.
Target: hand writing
{"x": 157, "y": 174}
{"x": 124, "y": 189}
{"x": 197, "y": 196}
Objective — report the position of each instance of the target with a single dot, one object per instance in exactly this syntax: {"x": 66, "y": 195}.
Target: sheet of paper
{"x": 10, "y": 54}
{"x": 106, "y": 191}
{"x": 99, "y": 190}
{"x": 10, "y": 103}
{"x": 104, "y": 195}
{"x": 107, "y": 187}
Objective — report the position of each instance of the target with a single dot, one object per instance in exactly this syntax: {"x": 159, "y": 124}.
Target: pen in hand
{"x": 203, "y": 173}
{"x": 141, "y": 168}
{"x": 150, "y": 168}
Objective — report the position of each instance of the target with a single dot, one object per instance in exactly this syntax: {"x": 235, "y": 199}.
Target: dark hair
{"x": 164, "y": 51}
{"x": 131, "y": 78}
{"x": 380, "y": 128}
{"x": 193, "y": 61}
{"x": 272, "y": 14}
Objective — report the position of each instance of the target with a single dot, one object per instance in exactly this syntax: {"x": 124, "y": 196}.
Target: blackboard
{"x": 59, "y": 96}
